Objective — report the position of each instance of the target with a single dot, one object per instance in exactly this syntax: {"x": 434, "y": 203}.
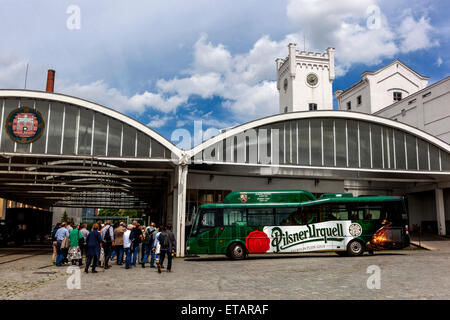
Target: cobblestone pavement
{"x": 406, "y": 274}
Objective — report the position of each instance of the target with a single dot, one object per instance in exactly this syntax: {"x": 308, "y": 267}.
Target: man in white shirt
{"x": 127, "y": 241}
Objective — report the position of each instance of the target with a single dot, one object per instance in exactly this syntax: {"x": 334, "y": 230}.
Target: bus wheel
{"x": 237, "y": 251}
{"x": 355, "y": 248}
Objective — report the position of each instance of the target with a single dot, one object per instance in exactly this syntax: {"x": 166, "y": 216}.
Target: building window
{"x": 349, "y": 105}
{"x": 285, "y": 109}
{"x": 397, "y": 96}
{"x": 312, "y": 106}
{"x": 358, "y": 100}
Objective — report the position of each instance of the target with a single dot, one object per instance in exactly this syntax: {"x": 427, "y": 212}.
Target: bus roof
{"x": 290, "y": 199}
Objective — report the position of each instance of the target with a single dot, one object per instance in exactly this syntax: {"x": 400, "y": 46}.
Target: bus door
{"x": 207, "y": 229}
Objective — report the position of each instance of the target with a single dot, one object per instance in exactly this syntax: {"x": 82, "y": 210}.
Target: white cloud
{"x": 415, "y": 35}
{"x": 439, "y": 61}
{"x": 158, "y": 122}
{"x": 346, "y": 25}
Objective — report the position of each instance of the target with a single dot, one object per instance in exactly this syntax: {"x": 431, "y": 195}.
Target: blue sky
{"x": 168, "y": 63}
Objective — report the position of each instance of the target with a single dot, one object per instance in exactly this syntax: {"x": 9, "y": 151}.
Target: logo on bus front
{"x": 24, "y": 125}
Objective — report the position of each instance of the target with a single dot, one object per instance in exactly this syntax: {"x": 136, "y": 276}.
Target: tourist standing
{"x": 84, "y": 233}
{"x": 94, "y": 243}
{"x": 147, "y": 243}
{"x": 60, "y": 235}
{"x": 57, "y": 226}
{"x": 74, "y": 254}
{"x": 108, "y": 242}
{"x": 118, "y": 242}
{"x": 127, "y": 244}
{"x": 137, "y": 239}
{"x": 166, "y": 247}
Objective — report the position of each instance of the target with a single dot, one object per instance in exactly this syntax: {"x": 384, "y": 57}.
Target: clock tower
{"x": 305, "y": 80}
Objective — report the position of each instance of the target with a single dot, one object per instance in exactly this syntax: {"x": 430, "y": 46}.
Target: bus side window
{"x": 260, "y": 217}
{"x": 334, "y": 211}
{"x": 310, "y": 214}
{"x": 285, "y": 216}
{"x": 231, "y": 215}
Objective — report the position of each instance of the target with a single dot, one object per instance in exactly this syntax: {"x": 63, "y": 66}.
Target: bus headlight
{"x": 188, "y": 248}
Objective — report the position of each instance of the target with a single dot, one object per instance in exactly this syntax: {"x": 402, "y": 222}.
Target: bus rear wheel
{"x": 355, "y": 248}
{"x": 236, "y": 251}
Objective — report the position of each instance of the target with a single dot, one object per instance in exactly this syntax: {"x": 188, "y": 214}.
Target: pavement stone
{"x": 406, "y": 274}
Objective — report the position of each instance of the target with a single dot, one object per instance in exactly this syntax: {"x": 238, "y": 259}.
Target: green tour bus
{"x": 296, "y": 221}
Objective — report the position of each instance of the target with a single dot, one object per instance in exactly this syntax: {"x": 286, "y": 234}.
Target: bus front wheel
{"x": 236, "y": 251}
{"x": 355, "y": 248}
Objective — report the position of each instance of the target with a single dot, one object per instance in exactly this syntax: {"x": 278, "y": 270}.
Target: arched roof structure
{"x": 327, "y": 140}
{"x": 86, "y": 155}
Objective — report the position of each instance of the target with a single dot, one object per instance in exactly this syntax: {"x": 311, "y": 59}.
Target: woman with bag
{"x": 74, "y": 254}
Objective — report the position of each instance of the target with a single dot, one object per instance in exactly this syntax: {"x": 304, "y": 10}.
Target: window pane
{"x": 388, "y": 145}
{"x": 341, "y": 160}
{"x": 412, "y": 154}
{"x": 55, "y": 128}
{"x": 310, "y": 214}
{"x": 115, "y": 131}
{"x": 100, "y": 134}
{"x": 286, "y": 216}
{"x": 399, "y": 149}
{"x": 260, "y": 217}
{"x": 303, "y": 137}
{"x": 364, "y": 144}
{"x": 70, "y": 126}
{"x": 85, "y": 134}
{"x": 157, "y": 149}
{"x": 129, "y": 141}
{"x": 231, "y": 215}
{"x": 316, "y": 142}
{"x": 377, "y": 154}
{"x": 328, "y": 142}
{"x": 335, "y": 212}
{"x": 143, "y": 145}
{"x": 445, "y": 160}
{"x": 423, "y": 154}
{"x": 352, "y": 128}
{"x": 434, "y": 158}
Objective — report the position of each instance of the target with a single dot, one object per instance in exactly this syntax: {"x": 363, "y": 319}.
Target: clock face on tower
{"x": 312, "y": 79}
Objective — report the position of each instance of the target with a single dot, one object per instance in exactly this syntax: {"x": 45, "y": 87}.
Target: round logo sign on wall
{"x": 25, "y": 125}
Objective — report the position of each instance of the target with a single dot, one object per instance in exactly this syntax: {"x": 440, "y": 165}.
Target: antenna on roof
{"x": 26, "y": 76}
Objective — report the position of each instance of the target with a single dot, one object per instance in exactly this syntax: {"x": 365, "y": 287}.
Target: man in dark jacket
{"x": 93, "y": 242}
{"x": 136, "y": 241}
{"x": 167, "y": 244}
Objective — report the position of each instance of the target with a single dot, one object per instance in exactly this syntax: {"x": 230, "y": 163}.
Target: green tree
{"x": 132, "y": 213}
{"x": 65, "y": 217}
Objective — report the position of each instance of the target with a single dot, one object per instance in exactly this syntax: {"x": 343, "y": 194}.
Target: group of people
{"x": 104, "y": 242}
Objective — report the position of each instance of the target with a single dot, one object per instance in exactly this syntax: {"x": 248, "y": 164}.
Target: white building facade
{"x": 379, "y": 89}
{"x": 305, "y": 80}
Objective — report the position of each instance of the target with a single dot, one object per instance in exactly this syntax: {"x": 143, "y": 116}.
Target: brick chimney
{"x": 50, "y": 81}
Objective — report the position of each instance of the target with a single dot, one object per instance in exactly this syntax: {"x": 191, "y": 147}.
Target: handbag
{"x": 65, "y": 244}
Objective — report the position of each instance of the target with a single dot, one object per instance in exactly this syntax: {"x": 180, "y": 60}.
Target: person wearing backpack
{"x": 166, "y": 247}
{"x": 108, "y": 242}
{"x": 148, "y": 243}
